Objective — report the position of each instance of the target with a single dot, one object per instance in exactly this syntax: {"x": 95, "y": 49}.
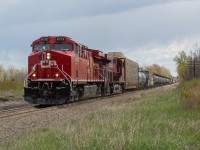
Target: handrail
{"x": 102, "y": 76}
{"x": 25, "y": 80}
{"x": 64, "y": 74}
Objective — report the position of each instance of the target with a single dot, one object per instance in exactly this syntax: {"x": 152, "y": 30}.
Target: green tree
{"x": 181, "y": 60}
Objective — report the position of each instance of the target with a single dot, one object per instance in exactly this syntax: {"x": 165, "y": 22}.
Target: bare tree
{"x": 2, "y": 71}
{"x": 196, "y": 51}
{"x": 11, "y": 73}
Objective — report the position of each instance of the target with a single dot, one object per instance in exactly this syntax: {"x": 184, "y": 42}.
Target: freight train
{"x": 62, "y": 70}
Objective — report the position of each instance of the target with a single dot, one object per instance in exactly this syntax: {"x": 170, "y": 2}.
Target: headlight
{"x": 57, "y": 75}
{"x": 48, "y": 56}
{"x": 34, "y": 75}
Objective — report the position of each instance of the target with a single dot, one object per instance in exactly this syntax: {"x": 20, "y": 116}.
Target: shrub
{"x": 190, "y": 91}
{"x": 10, "y": 85}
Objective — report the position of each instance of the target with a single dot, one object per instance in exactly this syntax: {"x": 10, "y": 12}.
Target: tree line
{"x": 12, "y": 73}
{"x": 188, "y": 65}
{"x": 157, "y": 69}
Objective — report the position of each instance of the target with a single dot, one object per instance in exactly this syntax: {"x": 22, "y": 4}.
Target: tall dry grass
{"x": 10, "y": 90}
{"x": 190, "y": 91}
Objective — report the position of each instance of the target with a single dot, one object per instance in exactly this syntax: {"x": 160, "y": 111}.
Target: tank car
{"x": 60, "y": 70}
{"x": 160, "y": 80}
{"x": 149, "y": 78}
{"x": 142, "y": 79}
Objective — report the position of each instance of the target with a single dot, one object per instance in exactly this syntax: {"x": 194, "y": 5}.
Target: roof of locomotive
{"x": 52, "y": 39}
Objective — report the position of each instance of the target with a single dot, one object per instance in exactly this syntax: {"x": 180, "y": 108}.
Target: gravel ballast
{"x": 13, "y": 126}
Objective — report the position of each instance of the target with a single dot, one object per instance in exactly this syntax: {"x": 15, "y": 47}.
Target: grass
{"x": 190, "y": 91}
{"x": 156, "y": 121}
{"x": 10, "y": 90}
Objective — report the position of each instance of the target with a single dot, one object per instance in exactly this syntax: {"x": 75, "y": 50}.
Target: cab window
{"x": 42, "y": 47}
{"x": 66, "y": 46}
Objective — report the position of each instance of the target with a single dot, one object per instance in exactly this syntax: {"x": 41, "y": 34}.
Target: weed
{"x": 10, "y": 90}
{"x": 190, "y": 93}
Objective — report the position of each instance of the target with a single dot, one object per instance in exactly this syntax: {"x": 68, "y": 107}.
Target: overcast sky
{"x": 147, "y": 31}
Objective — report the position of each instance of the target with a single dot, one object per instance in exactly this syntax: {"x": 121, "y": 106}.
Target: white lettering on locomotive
{"x": 48, "y": 63}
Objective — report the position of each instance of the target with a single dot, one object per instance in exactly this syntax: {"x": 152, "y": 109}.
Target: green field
{"x": 158, "y": 120}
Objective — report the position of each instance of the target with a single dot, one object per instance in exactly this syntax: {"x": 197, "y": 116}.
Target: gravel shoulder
{"x": 13, "y": 126}
{"x": 12, "y": 104}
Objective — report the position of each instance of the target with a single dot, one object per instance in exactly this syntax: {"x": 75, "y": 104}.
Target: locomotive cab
{"x": 49, "y": 72}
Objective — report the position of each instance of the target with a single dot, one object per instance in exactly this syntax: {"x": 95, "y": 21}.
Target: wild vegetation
{"x": 10, "y": 90}
{"x": 11, "y": 83}
{"x": 188, "y": 65}
{"x": 190, "y": 92}
{"x": 12, "y": 73}
{"x": 181, "y": 60}
{"x": 188, "y": 69}
{"x": 156, "y": 121}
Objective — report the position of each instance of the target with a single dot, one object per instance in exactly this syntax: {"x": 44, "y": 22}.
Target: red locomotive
{"x": 60, "y": 69}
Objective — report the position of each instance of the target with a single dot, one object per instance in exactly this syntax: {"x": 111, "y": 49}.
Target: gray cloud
{"x": 140, "y": 29}
{"x": 23, "y": 11}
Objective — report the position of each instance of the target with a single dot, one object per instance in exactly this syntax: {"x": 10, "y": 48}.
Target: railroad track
{"x": 31, "y": 108}
{"x": 17, "y": 111}
{"x": 23, "y": 111}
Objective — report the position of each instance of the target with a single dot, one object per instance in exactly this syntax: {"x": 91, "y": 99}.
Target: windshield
{"x": 42, "y": 46}
{"x": 67, "y": 46}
